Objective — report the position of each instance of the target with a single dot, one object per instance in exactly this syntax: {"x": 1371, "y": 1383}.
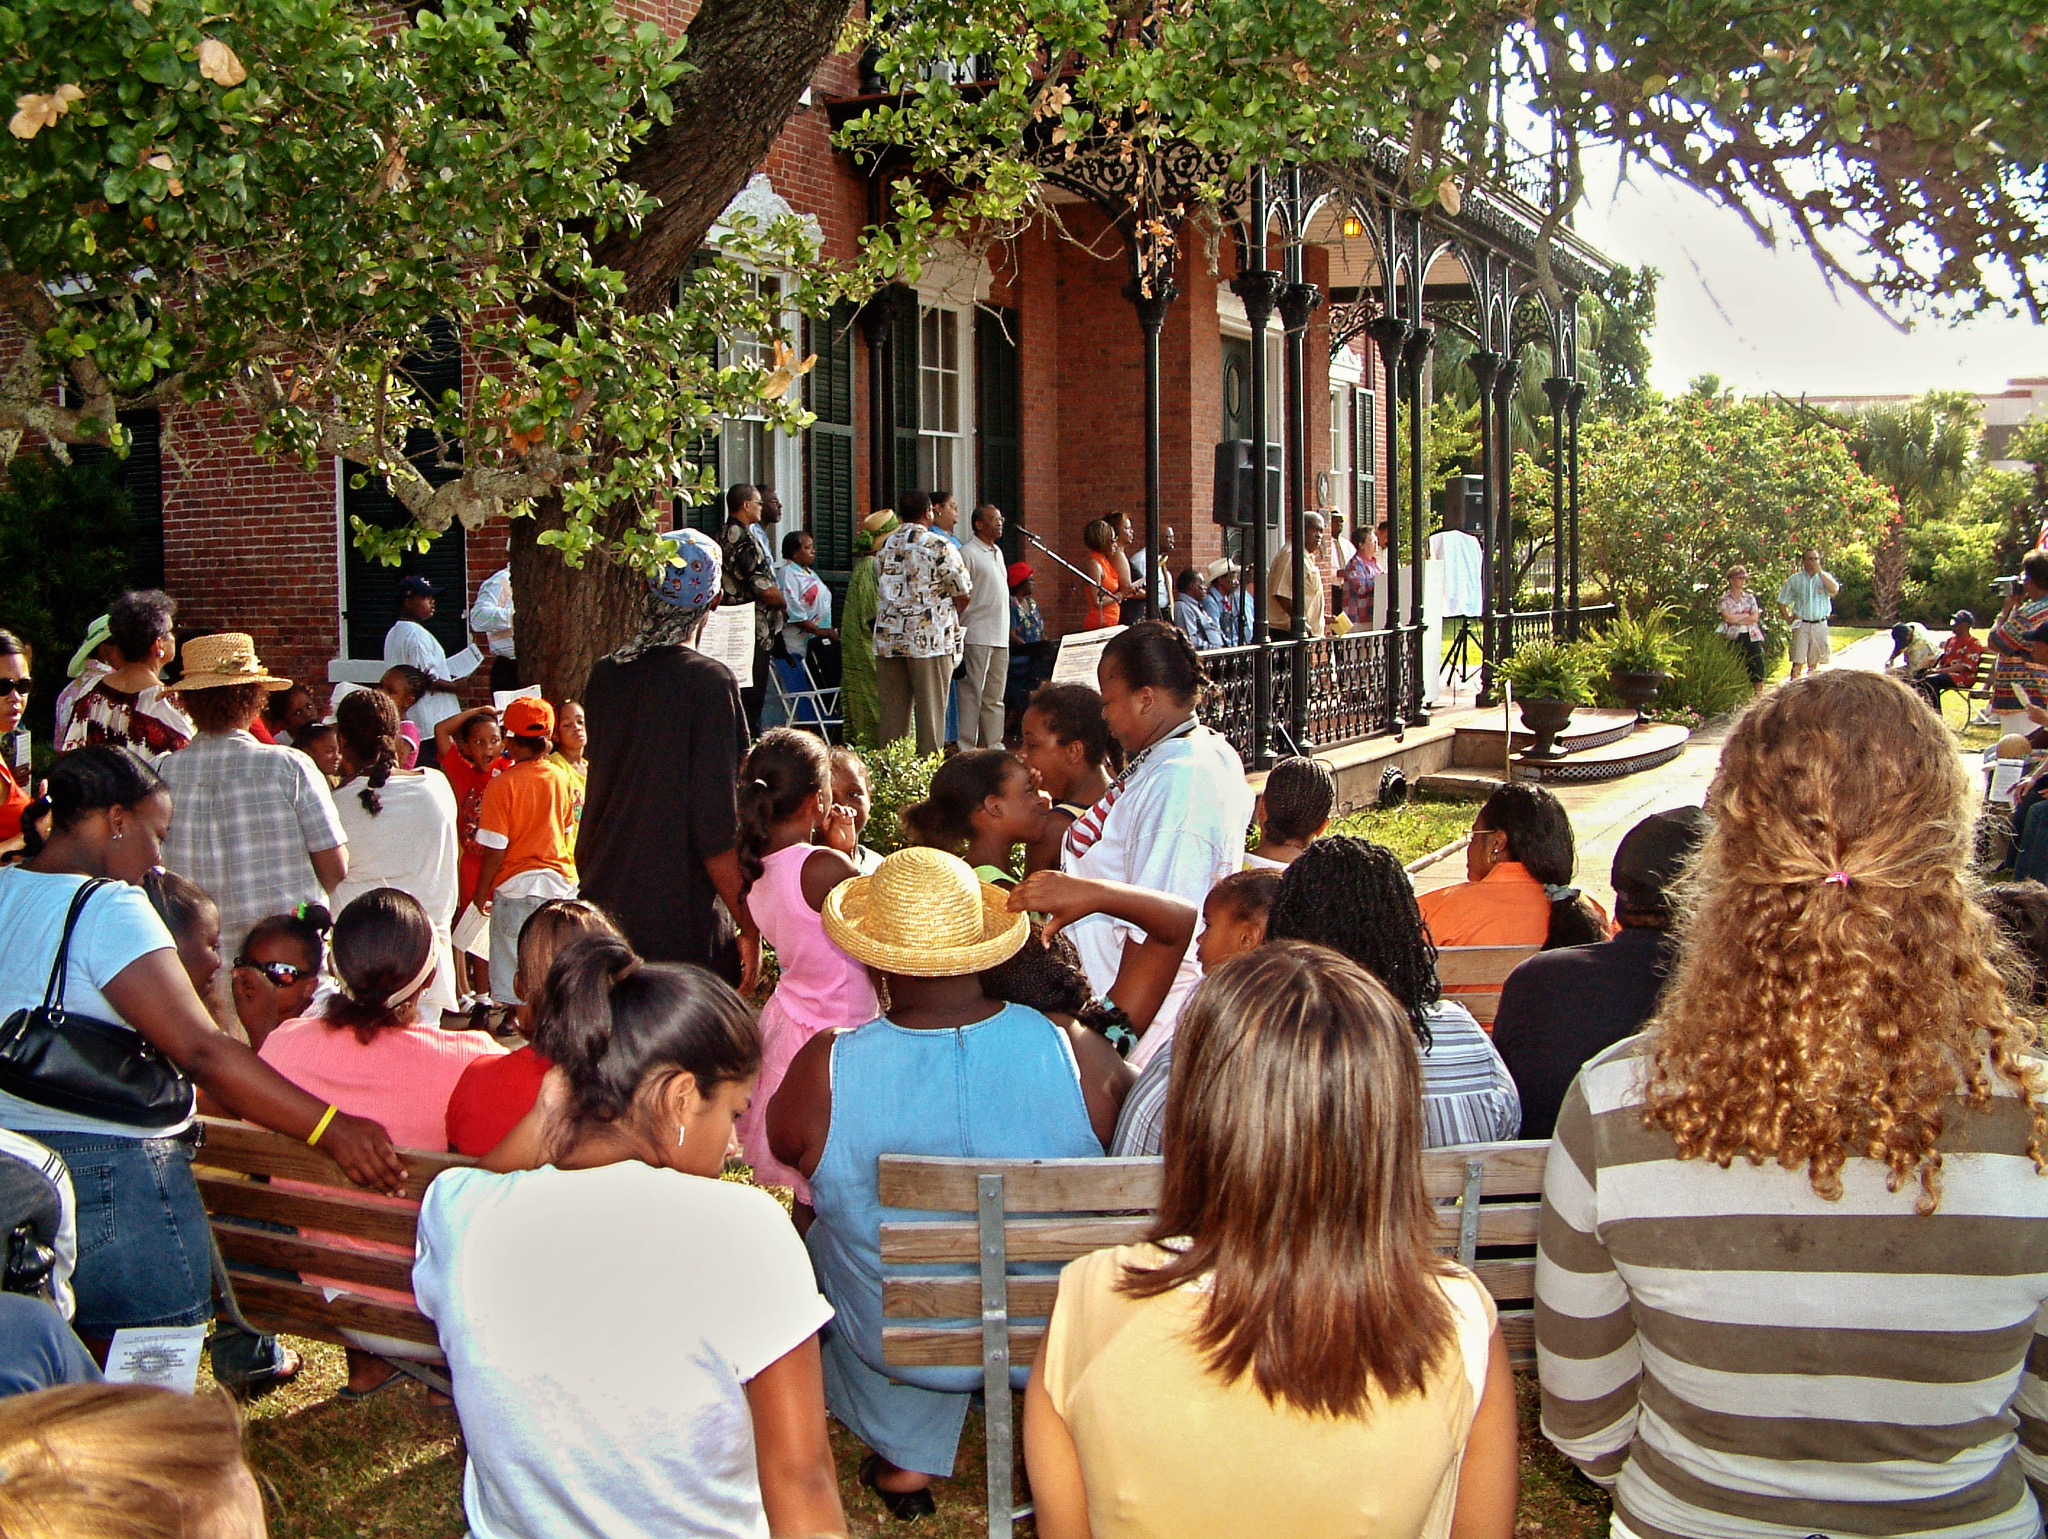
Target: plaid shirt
{"x": 245, "y": 818}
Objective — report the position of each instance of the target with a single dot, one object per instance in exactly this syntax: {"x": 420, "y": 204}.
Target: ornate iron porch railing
{"x": 1347, "y": 701}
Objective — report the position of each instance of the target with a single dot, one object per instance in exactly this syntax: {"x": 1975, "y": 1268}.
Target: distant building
{"x": 2005, "y": 410}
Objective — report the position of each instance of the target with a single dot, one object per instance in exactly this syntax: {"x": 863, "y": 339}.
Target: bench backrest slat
{"x": 1029, "y": 1186}
{"x": 294, "y": 1253}
{"x": 258, "y": 1151}
{"x": 304, "y": 1310}
{"x": 1480, "y": 966}
{"x": 232, "y": 1197}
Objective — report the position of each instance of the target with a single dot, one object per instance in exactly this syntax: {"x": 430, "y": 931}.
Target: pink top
{"x": 821, "y": 985}
{"x": 402, "y": 1077}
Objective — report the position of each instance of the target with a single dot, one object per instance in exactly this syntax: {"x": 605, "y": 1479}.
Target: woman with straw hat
{"x": 253, "y": 824}
{"x": 1027, "y": 1089}
{"x": 860, "y": 699}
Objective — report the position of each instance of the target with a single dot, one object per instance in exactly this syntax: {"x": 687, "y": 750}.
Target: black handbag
{"x": 75, "y": 1063}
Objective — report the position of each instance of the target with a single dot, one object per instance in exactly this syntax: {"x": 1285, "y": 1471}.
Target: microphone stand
{"x": 1106, "y": 593}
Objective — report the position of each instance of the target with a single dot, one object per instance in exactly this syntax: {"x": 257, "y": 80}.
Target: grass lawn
{"x": 1410, "y": 831}
{"x": 392, "y": 1465}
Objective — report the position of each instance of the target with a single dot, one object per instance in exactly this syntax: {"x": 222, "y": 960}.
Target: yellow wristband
{"x": 320, "y": 1127}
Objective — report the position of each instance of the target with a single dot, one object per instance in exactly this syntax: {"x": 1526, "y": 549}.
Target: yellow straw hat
{"x": 215, "y": 662}
{"x": 923, "y": 914}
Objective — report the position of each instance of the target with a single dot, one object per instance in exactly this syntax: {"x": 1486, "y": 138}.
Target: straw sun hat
{"x": 923, "y": 914}
{"x": 215, "y": 662}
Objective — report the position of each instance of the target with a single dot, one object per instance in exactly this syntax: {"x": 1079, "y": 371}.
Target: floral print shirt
{"x": 919, "y": 573}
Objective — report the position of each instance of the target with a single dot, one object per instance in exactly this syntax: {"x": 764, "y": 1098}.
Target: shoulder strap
{"x": 53, "y": 994}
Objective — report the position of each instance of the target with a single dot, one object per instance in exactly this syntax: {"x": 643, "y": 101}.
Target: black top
{"x": 1562, "y": 1007}
{"x": 666, "y": 739}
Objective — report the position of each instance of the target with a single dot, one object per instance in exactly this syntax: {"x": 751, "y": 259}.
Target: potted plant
{"x": 1549, "y": 681}
{"x": 1640, "y": 654}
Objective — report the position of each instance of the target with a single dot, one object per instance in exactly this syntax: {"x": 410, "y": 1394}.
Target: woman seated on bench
{"x": 367, "y": 1052}
{"x": 634, "y": 1342}
{"x": 1026, "y": 1089}
{"x": 1353, "y": 896}
{"x": 1518, "y": 880}
{"x": 1286, "y": 1353}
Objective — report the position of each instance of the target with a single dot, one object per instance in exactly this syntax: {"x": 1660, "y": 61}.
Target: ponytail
{"x": 1155, "y": 655}
{"x": 783, "y": 771}
{"x": 944, "y": 820}
{"x": 367, "y": 723}
{"x": 90, "y": 779}
{"x": 612, "y": 1023}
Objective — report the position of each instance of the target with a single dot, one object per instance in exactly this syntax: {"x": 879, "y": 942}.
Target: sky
{"x": 1765, "y": 320}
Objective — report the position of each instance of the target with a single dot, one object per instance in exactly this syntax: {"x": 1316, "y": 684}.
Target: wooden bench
{"x": 1013, "y": 1212}
{"x": 1472, "y": 976}
{"x": 233, "y": 1167}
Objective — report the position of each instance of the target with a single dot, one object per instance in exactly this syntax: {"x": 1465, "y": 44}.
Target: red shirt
{"x": 1960, "y": 658}
{"x": 468, "y": 782}
{"x": 13, "y": 803}
{"x": 491, "y": 1097}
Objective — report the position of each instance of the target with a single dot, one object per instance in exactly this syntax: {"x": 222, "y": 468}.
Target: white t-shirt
{"x": 1177, "y": 827}
{"x": 116, "y": 926}
{"x": 601, "y": 1327}
{"x": 410, "y": 845}
{"x": 408, "y": 641}
{"x": 987, "y": 620}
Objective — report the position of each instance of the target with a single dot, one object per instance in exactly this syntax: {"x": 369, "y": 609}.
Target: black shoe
{"x": 904, "y": 1506}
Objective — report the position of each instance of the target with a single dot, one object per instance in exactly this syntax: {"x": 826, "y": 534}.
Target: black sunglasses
{"x": 283, "y": 974}
{"x": 13, "y": 687}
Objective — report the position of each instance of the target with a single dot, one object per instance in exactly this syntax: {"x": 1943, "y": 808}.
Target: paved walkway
{"x": 1602, "y": 813}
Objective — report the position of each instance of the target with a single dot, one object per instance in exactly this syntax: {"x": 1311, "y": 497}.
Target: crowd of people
{"x": 1787, "y": 1277}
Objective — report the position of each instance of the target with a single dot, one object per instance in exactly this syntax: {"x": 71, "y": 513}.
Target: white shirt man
{"x": 491, "y": 614}
{"x": 987, "y": 623}
{"x": 409, "y": 641}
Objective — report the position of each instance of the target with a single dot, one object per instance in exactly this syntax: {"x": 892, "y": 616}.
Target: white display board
{"x": 1081, "y": 654}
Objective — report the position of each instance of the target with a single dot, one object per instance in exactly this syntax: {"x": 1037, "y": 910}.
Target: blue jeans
{"x": 144, "y": 1257}
{"x": 37, "y": 1349}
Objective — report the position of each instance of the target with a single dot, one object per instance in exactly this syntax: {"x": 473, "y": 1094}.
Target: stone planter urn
{"x": 1638, "y": 691}
{"x": 1546, "y": 718}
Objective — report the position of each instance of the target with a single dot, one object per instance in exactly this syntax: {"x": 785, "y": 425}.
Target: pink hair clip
{"x": 1839, "y": 878}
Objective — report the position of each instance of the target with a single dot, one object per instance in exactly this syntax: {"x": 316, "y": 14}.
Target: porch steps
{"x": 1646, "y": 748}
{"x": 1482, "y": 741}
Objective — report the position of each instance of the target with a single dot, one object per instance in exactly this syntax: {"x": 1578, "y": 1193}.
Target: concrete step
{"x": 1482, "y": 741}
{"x": 1645, "y": 748}
{"x": 1463, "y": 784}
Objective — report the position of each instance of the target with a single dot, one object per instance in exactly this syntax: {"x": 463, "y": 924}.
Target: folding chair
{"x": 800, "y": 699}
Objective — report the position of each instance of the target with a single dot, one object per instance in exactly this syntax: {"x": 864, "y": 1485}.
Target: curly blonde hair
{"x": 1839, "y": 983}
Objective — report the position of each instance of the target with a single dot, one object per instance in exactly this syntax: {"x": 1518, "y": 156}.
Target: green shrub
{"x": 1709, "y": 680}
{"x": 899, "y": 778}
{"x": 1632, "y": 644}
{"x": 1548, "y": 670}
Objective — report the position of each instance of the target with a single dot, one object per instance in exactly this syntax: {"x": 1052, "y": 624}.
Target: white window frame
{"x": 785, "y": 450}
{"x": 960, "y": 440}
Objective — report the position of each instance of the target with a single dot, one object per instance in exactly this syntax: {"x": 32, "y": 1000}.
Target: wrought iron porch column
{"x": 1483, "y": 364}
{"x": 1558, "y": 389}
{"x": 1390, "y": 334}
{"x": 1298, "y": 300}
{"x": 1259, "y": 287}
{"x": 1575, "y": 402}
{"x": 1504, "y": 383}
{"x": 1414, "y": 359}
{"x": 1151, "y": 302}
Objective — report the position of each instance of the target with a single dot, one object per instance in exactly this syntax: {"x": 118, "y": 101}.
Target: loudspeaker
{"x": 1236, "y": 491}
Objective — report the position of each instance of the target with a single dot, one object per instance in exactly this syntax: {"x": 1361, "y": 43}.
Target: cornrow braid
{"x": 1354, "y": 896}
{"x": 367, "y": 723}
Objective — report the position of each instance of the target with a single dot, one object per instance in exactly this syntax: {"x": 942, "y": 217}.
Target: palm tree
{"x": 1922, "y": 450}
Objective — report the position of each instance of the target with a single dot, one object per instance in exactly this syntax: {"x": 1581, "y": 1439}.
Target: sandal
{"x": 904, "y": 1506}
{"x": 353, "y": 1396}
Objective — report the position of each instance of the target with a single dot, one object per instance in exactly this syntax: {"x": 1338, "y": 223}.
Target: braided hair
{"x": 366, "y": 721}
{"x": 1048, "y": 977}
{"x": 1155, "y": 655}
{"x": 1354, "y": 896}
{"x": 782, "y": 771}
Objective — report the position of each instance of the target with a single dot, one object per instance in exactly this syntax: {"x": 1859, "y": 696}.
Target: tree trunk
{"x": 752, "y": 60}
{"x": 1888, "y": 573}
{"x": 564, "y": 619}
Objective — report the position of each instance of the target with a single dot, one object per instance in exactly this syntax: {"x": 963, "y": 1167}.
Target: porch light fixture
{"x": 1353, "y": 227}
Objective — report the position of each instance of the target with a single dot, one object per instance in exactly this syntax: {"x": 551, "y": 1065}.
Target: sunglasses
{"x": 283, "y": 974}
{"x": 13, "y": 687}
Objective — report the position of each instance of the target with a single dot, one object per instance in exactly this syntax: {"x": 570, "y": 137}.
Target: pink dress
{"x": 821, "y": 989}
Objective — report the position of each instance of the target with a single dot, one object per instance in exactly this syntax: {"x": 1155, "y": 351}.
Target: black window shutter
{"x": 829, "y": 446}
{"x": 141, "y": 476}
{"x": 371, "y": 590}
{"x": 903, "y": 362}
{"x": 1365, "y": 502}
{"x": 999, "y": 421}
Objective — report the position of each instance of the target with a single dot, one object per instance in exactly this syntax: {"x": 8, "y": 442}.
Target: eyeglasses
{"x": 283, "y": 974}
{"x": 13, "y": 687}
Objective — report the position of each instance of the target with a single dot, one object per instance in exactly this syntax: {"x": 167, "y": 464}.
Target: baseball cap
{"x": 528, "y": 717}
{"x": 416, "y": 586}
{"x": 1962, "y": 617}
{"x": 1902, "y": 638}
{"x": 1651, "y": 855}
{"x": 1020, "y": 571}
{"x": 1218, "y": 567}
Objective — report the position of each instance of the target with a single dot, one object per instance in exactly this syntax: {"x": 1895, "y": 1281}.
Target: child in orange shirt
{"x": 525, "y": 835}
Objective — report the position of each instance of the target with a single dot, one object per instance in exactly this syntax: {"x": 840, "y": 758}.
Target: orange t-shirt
{"x": 1108, "y": 612}
{"x": 1506, "y": 907}
{"x": 529, "y": 812}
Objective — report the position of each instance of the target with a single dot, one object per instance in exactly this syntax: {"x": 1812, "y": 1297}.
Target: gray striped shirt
{"x": 1468, "y": 1096}
{"x": 1735, "y": 1356}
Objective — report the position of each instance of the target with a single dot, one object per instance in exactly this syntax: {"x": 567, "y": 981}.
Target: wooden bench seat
{"x": 238, "y": 1167}
{"x": 1019, "y": 1212}
{"x": 1473, "y": 975}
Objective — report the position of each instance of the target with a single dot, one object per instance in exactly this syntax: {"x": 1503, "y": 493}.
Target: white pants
{"x": 1809, "y": 642}
{"x": 981, "y": 696}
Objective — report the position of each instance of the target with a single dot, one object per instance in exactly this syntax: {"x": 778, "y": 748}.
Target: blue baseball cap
{"x": 689, "y": 577}
{"x": 416, "y": 586}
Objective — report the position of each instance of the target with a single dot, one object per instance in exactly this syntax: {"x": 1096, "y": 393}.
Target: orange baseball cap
{"x": 528, "y": 717}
